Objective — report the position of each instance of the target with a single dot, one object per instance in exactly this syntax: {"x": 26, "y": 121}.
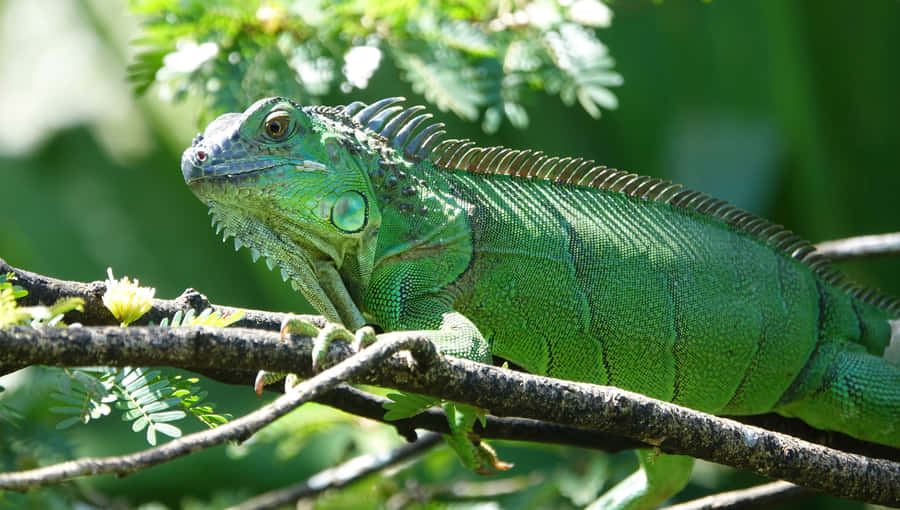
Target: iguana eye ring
{"x": 277, "y": 125}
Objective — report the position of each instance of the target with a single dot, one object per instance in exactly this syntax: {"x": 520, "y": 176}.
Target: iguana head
{"x": 283, "y": 180}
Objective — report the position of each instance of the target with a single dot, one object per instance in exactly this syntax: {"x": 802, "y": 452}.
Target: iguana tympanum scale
{"x": 563, "y": 267}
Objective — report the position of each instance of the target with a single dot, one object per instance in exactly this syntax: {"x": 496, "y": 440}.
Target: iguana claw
{"x": 322, "y": 338}
{"x": 297, "y": 326}
{"x": 289, "y": 325}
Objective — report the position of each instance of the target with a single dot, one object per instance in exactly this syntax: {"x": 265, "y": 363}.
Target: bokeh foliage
{"x": 467, "y": 57}
{"x": 786, "y": 108}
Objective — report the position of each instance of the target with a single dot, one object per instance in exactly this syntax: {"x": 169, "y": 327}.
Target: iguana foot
{"x": 290, "y": 325}
{"x": 297, "y": 326}
{"x": 322, "y": 338}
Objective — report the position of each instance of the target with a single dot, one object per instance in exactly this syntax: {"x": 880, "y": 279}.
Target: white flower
{"x": 360, "y": 63}
{"x": 186, "y": 59}
{"x": 592, "y": 13}
{"x": 126, "y": 299}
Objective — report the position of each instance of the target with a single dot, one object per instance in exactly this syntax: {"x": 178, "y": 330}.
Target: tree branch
{"x": 238, "y": 429}
{"x": 360, "y": 403}
{"x": 340, "y": 476}
{"x": 46, "y": 290}
{"x": 861, "y": 247}
{"x": 671, "y": 428}
{"x": 761, "y": 496}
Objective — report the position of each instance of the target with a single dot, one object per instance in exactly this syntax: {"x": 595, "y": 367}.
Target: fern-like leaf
{"x": 10, "y": 415}
{"x": 583, "y": 68}
{"x": 147, "y": 400}
{"x": 142, "y": 72}
{"x": 461, "y": 55}
{"x": 447, "y": 79}
{"x": 86, "y": 397}
{"x": 187, "y": 390}
{"x": 207, "y": 317}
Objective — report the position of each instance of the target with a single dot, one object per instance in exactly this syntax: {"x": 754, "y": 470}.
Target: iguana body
{"x": 559, "y": 266}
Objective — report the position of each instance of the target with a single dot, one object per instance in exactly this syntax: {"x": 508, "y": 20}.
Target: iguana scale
{"x": 563, "y": 267}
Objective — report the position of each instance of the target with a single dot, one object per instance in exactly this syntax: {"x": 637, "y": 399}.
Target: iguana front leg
{"x": 472, "y": 452}
{"x": 325, "y": 287}
{"x": 405, "y": 300}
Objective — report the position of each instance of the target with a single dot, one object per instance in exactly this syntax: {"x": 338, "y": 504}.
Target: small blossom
{"x": 186, "y": 59}
{"x": 126, "y": 299}
{"x": 590, "y": 13}
{"x": 271, "y": 18}
{"x": 360, "y": 64}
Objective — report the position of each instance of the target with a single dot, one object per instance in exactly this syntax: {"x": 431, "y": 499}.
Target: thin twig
{"x": 239, "y": 429}
{"x": 861, "y": 247}
{"x": 45, "y": 290}
{"x": 467, "y": 492}
{"x": 360, "y": 403}
{"x": 761, "y": 496}
{"x": 340, "y": 476}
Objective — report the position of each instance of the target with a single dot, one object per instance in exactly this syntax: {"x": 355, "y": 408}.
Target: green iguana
{"x": 563, "y": 267}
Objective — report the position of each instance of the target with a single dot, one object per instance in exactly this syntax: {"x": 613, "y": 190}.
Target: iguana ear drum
{"x": 350, "y": 212}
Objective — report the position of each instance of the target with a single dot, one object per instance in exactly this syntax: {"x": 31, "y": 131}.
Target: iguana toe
{"x": 325, "y": 337}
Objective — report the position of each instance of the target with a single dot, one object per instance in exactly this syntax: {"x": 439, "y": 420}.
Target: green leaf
{"x": 214, "y": 418}
{"x": 583, "y": 68}
{"x": 167, "y": 416}
{"x": 155, "y": 406}
{"x": 447, "y": 79}
{"x": 68, "y": 422}
{"x": 150, "y": 390}
{"x": 133, "y": 414}
{"x": 66, "y": 410}
{"x": 168, "y": 429}
{"x": 142, "y": 72}
{"x": 468, "y": 37}
{"x": 151, "y": 434}
{"x": 139, "y": 424}
{"x": 405, "y": 405}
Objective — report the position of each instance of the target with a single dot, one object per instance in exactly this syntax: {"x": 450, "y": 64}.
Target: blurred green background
{"x": 787, "y": 109}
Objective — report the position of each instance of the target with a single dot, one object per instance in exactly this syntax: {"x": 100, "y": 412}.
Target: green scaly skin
{"x": 563, "y": 268}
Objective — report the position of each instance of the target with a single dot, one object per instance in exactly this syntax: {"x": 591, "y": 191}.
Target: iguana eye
{"x": 277, "y": 125}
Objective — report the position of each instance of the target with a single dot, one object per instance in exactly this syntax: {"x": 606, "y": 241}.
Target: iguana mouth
{"x": 238, "y": 176}
{"x": 196, "y": 170}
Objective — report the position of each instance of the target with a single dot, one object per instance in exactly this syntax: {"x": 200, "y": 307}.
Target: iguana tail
{"x": 845, "y": 388}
